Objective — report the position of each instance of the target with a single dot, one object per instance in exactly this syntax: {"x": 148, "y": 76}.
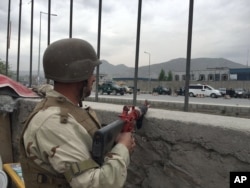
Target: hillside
{"x": 176, "y": 65}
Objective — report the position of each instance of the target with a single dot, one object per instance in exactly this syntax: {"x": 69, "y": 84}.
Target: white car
{"x": 205, "y": 90}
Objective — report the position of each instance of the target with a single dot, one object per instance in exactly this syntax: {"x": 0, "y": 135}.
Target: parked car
{"x": 180, "y": 91}
{"x": 231, "y": 92}
{"x": 127, "y": 89}
{"x": 241, "y": 93}
{"x": 110, "y": 88}
{"x": 206, "y": 90}
{"x": 162, "y": 90}
{"x": 223, "y": 91}
{"x": 132, "y": 88}
{"x": 247, "y": 94}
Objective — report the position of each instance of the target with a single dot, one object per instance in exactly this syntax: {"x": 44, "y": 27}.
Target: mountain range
{"x": 175, "y": 65}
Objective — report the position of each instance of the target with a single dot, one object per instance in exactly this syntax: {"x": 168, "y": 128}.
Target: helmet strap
{"x": 82, "y": 92}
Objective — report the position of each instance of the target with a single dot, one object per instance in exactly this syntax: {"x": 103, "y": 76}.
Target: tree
{"x": 162, "y": 76}
{"x": 3, "y": 69}
{"x": 170, "y": 76}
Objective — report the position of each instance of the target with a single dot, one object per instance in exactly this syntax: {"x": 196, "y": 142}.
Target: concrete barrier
{"x": 174, "y": 148}
{"x": 217, "y": 109}
{"x": 181, "y": 149}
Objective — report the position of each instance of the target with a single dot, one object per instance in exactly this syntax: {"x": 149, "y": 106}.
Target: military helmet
{"x": 69, "y": 60}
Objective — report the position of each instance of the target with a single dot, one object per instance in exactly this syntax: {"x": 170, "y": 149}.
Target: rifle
{"x": 104, "y": 138}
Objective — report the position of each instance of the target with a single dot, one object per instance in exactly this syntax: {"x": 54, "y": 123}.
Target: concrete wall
{"x": 5, "y": 138}
{"x": 174, "y": 149}
{"x": 225, "y": 110}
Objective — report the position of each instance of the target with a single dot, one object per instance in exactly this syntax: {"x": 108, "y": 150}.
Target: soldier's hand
{"x": 128, "y": 140}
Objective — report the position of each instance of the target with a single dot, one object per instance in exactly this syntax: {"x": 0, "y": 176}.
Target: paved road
{"x": 205, "y": 100}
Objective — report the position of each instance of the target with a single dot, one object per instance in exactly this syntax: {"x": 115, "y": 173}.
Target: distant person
{"x": 180, "y": 91}
{"x": 57, "y": 139}
{"x": 231, "y": 92}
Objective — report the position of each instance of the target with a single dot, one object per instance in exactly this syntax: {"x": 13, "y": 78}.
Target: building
{"x": 239, "y": 74}
{"x": 210, "y": 74}
{"x": 215, "y": 74}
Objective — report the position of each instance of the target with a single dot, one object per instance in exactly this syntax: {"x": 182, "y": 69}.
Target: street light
{"x": 38, "y": 71}
{"x": 149, "y": 79}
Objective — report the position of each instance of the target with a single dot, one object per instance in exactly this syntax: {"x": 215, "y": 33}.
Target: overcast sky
{"x": 221, "y": 29}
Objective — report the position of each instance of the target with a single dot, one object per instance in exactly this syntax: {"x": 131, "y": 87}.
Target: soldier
{"x": 56, "y": 143}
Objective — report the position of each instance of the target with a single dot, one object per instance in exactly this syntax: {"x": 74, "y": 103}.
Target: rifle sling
{"x": 78, "y": 168}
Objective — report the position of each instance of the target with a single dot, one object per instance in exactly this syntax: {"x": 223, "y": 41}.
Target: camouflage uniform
{"x": 56, "y": 142}
{"x": 54, "y": 146}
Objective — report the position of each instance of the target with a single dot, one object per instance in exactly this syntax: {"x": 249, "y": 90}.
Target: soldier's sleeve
{"x": 64, "y": 144}
{"x": 112, "y": 174}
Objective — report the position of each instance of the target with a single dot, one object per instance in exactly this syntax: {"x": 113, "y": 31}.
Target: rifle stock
{"x": 104, "y": 140}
